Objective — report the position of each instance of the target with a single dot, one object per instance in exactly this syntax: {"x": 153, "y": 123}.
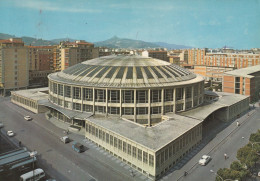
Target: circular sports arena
{"x": 136, "y": 88}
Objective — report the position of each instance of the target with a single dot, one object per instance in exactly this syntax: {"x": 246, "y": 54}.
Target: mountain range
{"x": 113, "y": 42}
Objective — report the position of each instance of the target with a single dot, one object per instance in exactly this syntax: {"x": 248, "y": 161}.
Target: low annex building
{"x": 138, "y": 108}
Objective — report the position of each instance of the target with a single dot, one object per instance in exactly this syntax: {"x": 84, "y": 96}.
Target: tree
{"x": 255, "y": 137}
{"x": 236, "y": 165}
{"x": 246, "y": 155}
{"x": 227, "y": 173}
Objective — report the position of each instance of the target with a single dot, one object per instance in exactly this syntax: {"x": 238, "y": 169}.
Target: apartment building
{"x": 14, "y": 65}
{"x": 245, "y": 81}
{"x": 71, "y": 53}
{"x": 40, "y": 64}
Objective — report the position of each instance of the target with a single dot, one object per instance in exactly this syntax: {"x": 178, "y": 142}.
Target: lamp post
{"x": 33, "y": 156}
{"x": 212, "y": 171}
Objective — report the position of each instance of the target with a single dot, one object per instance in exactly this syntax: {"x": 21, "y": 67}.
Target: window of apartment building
{"x": 66, "y": 104}
{"x": 145, "y": 157}
{"x": 142, "y": 96}
{"x": 55, "y": 88}
{"x": 100, "y": 134}
{"x": 67, "y": 91}
{"x": 119, "y": 144}
{"x": 60, "y": 102}
{"x": 100, "y": 109}
{"x": 151, "y": 160}
{"x": 100, "y": 95}
{"x": 76, "y": 93}
{"x": 87, "y": 108}
{"x": 168, "y": 95}
{"x": 114, "y": 96}
{"x": 111, "y": 140}
{"x": 129, "y": 149}
{"x": 134, "y": 151}
{"x": 170, "y": 151}
{"x": 141, "y": 110}
{"x": 103, "y": 136}
{"x": 128, "y": 96}
{"x": 156, "y": 95}
{"x": 113, "y": 110}
{"x": 77, "y": 106}
{"x": 139, "y": 154}
{"x": 124, "y": 146}
{"x": 60, "y": 89}
{"x": 156, "y": 110}
{"x": 188, "y": 92}
{"x": 158, "y": 161}
{"x": 127, "y": 110}
{"x": 87, "y": 94}
{"x": 115, "y": 142}
{"x": 179, "y": 93}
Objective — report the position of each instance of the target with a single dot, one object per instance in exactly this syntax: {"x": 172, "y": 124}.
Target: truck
{"x": 77, "y": 147}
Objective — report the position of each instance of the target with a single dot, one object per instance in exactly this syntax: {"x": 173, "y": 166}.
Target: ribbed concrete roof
{"x": 124, "y": 71}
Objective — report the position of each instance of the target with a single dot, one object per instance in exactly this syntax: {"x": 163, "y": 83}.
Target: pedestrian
{"x": 185, "y": 173}
{"x": 225, "y": 156}
{"x": 238, "y": 124}
{"x": 20, "y": 143}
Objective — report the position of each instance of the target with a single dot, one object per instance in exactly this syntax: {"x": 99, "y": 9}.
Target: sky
{"x": 197, "y": 23}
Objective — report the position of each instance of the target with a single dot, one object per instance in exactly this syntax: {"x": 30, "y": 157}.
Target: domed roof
{"x": 124, "y": 71}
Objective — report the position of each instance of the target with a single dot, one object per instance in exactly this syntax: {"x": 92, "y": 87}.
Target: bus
{"x": 35, "y": 175}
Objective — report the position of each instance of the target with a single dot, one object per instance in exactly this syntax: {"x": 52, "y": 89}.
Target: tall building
{"x": 14, "y": 65}
{"x": 71, "y": 53}
{"x": 245, "y": 81}
{"x": 40, "y": 64}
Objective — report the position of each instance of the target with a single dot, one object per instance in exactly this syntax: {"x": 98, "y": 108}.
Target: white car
{"x": 204, "y": 160}
{"x": 27, "y": 118}
{"x": 10, "y": 133}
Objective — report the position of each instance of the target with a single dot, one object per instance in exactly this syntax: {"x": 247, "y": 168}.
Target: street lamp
{"x": 33, "y": 156}
{"x": 212, "y": 171}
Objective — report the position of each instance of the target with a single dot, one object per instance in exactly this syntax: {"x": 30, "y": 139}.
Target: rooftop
{"x": 153, "y": 138}
{"x": 244, "y": 72}
{"x": 34, "y": 94}
{"x": 125, "y": 71}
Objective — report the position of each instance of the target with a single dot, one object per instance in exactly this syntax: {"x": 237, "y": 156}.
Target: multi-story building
{"x": 71, "y": 53}
{"x": 40, "y": 64}
{"x": 162, "y": 55}
{"x": 245, "y": 81}
{"x": 14, "y": 65}
{"x": 196, "y": 56}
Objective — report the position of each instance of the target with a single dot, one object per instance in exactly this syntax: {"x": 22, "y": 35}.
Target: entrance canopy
{"x": 69, "y": 113}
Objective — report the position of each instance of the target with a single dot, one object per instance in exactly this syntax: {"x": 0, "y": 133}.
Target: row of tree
{"x": 247, "y": 156}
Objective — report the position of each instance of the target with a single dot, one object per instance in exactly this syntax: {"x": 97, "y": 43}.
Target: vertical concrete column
{"x": 149, "y": 107}
{"x": 71, "y": 95}
{"x": 93, "y": 100}
{"x": 120, "y": 101}
{"x": 162, "y": 101}
{"x": 63, "y": 86}
{"x": 81, "y": 95}
{"x": 184, "y": 98}
{"x": 135, "y": 105}
{"x": 106, "y": 102}
{"x": 192, "y": 95}
{"x": 174, "y": 100}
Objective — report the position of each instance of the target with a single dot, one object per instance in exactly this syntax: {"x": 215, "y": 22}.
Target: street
{"x": 228, "y": 141}
{"x": 56, "y": 158}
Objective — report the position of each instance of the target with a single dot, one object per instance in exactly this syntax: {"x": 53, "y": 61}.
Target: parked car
{"x": 27, "y": 118}
{"x": 10, "y": 133}
{"x": 1, "y": 125}
{"x": 77, "y": 147}
{"x": 204, "y": 160}
{"x": 65, "y": 139}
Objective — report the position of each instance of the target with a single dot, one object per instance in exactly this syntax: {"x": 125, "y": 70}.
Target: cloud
{"x": 63, "y": 6}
